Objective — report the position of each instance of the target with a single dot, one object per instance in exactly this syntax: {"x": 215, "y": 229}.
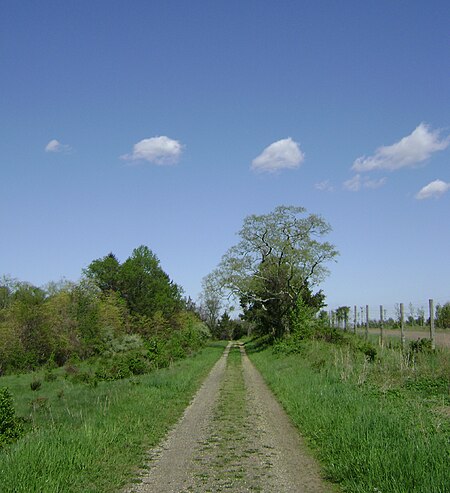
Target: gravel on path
{"x": 233, "y": 437}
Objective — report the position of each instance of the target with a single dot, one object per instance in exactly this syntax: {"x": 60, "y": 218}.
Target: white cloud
{"x": 56, "y": 146}
{"x": 409, "y": 151}
{"x": 354, "y": 184}
{"x": 158, "y": 150}
{"x": 374, "y": 183}
{"x": 324, "y": 186}
{"x": 433, "y": 190}
{"x": 357, "y": 182}
{"x": 283, "y": 154}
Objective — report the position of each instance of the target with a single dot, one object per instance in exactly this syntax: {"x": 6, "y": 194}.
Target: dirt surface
{"x": 233, "y": 437}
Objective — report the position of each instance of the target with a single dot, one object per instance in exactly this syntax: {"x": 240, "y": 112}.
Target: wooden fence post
{"x": 432, "y": 331}
{"x": 381, "y": 325}
{"x": 367, "y": 322}
{"x": 354, "y": 320}
{"x": 402, "y": 324}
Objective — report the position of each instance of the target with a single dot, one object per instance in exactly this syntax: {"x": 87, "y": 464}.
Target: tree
{"x": 342, "y": 314}
{"x": 443, "y": 316}
{"x": 211, "y": 303}
{"x": 139, "y": 280}
{"x": 279, "y": 258}
{"x": 146, "y": 287}
{"x": 105, "y": 272}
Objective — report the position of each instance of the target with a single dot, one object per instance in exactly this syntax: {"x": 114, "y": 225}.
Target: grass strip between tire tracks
{"x": 93, "y": 439}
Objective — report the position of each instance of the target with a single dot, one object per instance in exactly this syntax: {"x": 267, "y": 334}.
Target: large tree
{"x": 279, "y": 258}
{"x": 140, "y": 280}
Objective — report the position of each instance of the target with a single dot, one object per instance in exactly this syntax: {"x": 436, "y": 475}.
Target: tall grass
{"x": 376, "y": 427}
{"x": 92, "y": 439}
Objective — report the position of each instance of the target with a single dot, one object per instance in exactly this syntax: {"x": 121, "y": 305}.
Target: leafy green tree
{"x": 26, "y": 316}
{"x": 105, "y": 272}
{"x": 146, "y": 287}
{"x": 61, "y": 325}
{"x": 443, "y": 316}
{"x": 140, "y": 281}
{"x": 278, "y": 260}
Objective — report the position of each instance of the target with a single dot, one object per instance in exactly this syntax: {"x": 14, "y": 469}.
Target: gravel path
{"x": 233, "y": 437}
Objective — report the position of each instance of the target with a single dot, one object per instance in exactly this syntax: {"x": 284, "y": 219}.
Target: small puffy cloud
{"x": 324, "y": 186}
{"x": 357, "y": 182}
{"x": 56, "y": 146}
{"x": 433, "y": 190}
{"x": 157, "y": 150}
{"x": 409, "y": 151}
{"x": 283, "y": 154}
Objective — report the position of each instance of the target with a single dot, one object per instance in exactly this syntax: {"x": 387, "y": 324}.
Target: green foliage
{"x": 105, "y": 273}
{"x": 278, "y": 259}
{"x": 114, "y": 309}
{"x": 374, "y": 427}
{"x": 11, "y": 428}
{"x": 443, "y": 316}
{"x": 422, "y": 345}
{"x": 122, "y": 365}
{"x": 304, "y": 323}
{"x": 90, "y": 438}
{"x": 35, "y": 385}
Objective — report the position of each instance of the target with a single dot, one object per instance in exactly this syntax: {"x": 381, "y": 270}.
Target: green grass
{"x": 93, "y": 439}
{"x": 376, "y": 427}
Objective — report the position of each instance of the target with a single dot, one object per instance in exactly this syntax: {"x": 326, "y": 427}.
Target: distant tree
{"x": 412, "y": 314}
{"x": 25, "y": 315}
{"x": 443, "y": 316}
{"x": 211, "y": 303}
{"x": 140, "y": 281}
{"x": 278, "y": 259}
{"x": 342, "y": 314}
{"x": 421, "y": 316}
{"x": 146, "y": 287}
{"x": 105, "y": 273}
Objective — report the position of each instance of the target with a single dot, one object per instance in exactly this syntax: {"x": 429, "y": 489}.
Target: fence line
{"x": 418, "y": 318}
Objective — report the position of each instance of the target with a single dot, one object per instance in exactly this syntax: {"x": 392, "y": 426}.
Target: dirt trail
{"x": 233, "y": 437}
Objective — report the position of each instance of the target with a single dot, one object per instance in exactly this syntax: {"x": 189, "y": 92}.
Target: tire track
{"x": 233, "y": 437}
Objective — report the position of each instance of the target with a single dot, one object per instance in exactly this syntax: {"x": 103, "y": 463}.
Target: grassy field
{"x": 442, "y": 336}
{"x": 86, "y": 438}
{"x": 376, "y": 427}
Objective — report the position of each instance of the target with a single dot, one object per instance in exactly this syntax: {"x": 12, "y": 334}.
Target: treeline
{"x": 115, "y": 307}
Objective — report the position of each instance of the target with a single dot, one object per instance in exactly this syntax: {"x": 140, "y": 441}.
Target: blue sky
{"x": 165, "y": 123}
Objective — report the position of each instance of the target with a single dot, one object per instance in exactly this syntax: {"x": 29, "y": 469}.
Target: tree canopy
{"x": 279, "y": 258}
{"x": 140, "y": 280}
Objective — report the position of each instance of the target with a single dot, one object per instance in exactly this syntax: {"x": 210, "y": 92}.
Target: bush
{"x": 11, "y": 427}
{"x": 420, "y": 346}
{"x": 50, "y": 376}
{"x": 123, "y": 365}
{"x": 35, "y": 384}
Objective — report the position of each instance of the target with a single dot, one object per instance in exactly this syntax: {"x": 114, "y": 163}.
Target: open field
{"x": 442, "y": 336}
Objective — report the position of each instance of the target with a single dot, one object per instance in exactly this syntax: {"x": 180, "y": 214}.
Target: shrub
{"x": 123, "y": 365}
{"x": 35, "y": 384}
{"x": 420, "y": 346}
{"x": 11, "y": 427}
{"x": 50, "y": 376}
